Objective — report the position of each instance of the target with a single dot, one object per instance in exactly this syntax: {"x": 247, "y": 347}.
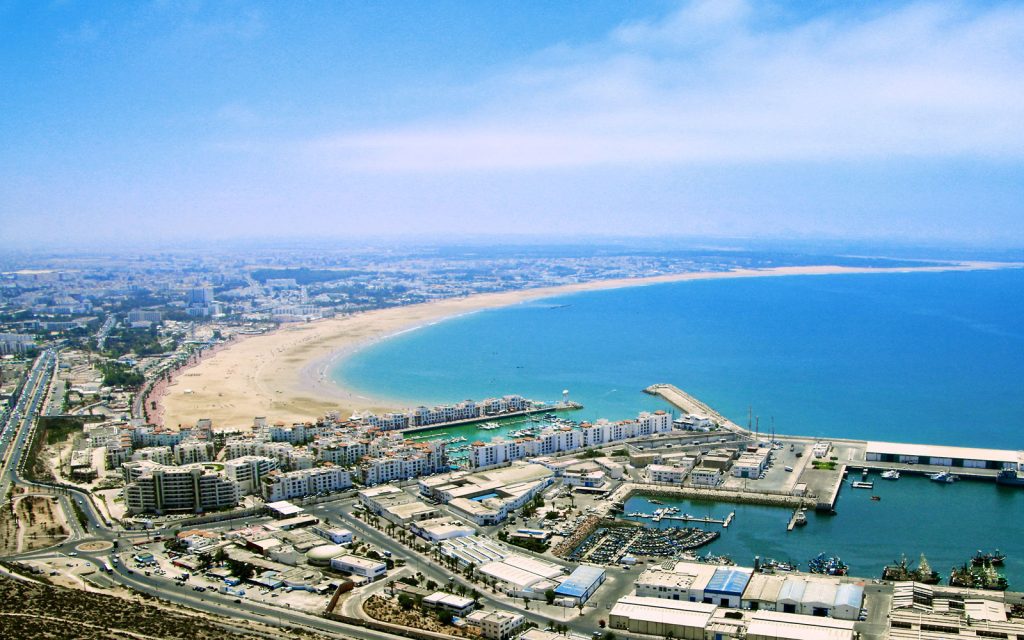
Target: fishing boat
{"x": 828, "y": 565}
{"x": 800, "y": 519}
{"x": 981, "y": 559}
{"x": 770, "y": 565}
{"x": 891, "y": 474}
{"x": 944, "y": 477}
{"x": 901, "y": 572}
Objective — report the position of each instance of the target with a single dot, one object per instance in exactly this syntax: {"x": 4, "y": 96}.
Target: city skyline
{"x": 723, "y": 120}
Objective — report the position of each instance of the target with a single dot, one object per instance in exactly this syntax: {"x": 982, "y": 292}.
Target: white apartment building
{"x": 337, "y": 451}
{"x": 287, "y": 456}
{"x": 305, "y": 482}
{"x": 193, "y": 451}
{"x": 248, "y": 471}
{"x": 159, "y": 455}
{"x": 404, "y": 461}
{"x": 500, "y": 451}
{"x": 192, "y": 488}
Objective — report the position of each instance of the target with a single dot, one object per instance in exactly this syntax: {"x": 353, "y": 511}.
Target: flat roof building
{"x": 496, "y": 625}
{"x": 774, "y": 625}
{"x": 581, "y": 583}
{"x": 944, "y": 456}
{"x": 359, "y": 566}
{"x": 659, "y": 617}
{"x": 457, "y": 605}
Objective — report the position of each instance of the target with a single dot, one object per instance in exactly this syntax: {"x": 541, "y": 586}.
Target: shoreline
{"x": 283, "y": 375}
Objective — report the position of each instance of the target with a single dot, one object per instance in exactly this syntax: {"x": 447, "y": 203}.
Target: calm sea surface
{"x": 917, "y": 357}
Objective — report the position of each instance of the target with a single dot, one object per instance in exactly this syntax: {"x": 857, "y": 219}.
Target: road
{"x": 15, "y": 432}
{"x": 19, "y": 423}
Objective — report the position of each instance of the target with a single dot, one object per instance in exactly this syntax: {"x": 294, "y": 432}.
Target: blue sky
{"x": 169, "y": 120}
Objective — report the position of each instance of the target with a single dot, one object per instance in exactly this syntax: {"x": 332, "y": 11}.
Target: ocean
{"x": 912, "y": 357}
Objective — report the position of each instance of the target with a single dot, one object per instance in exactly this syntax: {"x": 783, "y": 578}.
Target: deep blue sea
{"x": 915, "y": 357}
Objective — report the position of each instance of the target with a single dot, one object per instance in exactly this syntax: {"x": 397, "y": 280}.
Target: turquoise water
{"x": 918, "y": 357}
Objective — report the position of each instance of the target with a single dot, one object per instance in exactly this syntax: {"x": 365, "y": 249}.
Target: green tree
{"x": 406, "y": 601}
{"x": 549, "y": 595}
{"x": 445, "y": 616}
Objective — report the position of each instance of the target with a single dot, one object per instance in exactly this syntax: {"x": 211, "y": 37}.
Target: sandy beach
{"x": 283, "y": 375}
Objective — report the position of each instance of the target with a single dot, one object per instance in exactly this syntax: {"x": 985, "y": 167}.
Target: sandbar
{"x": 284, "y": 375}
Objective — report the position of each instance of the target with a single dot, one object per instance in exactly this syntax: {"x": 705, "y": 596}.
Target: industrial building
{"x": 581, "y": 584}
{"x": 774, "y": 625}
{"x": 437, "y": 529}
{"x": 809, "y": 595}
{"x": 523, "y": 577}
{"x": 943, "y": 456}
{"x": 726, "y": 586}
{"x": 659, "y": 617}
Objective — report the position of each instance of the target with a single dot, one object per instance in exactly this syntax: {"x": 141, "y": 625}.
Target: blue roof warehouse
{"x": 581, "y": 583}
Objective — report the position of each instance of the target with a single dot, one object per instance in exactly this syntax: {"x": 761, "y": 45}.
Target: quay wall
{"x": 628, "y": 490}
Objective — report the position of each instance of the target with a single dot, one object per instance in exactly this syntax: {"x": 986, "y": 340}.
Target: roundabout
{"x": 95, "y": 546}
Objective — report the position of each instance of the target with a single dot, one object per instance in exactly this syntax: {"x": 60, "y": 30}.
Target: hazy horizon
{"x": 164, "y": 122}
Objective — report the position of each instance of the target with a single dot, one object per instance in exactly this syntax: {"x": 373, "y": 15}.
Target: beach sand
{"x": 283, "y": 375}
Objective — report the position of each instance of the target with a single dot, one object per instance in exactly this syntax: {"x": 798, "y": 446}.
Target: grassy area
{"x": 82, "y": 519}
{"x": 827, "y": 465}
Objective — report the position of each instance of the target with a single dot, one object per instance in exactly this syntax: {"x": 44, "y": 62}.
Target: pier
{"x": 792, "y": 520}
{"x": 689, "y": 404}
{"x": 686, "y": 518}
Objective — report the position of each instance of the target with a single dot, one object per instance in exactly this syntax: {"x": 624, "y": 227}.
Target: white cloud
{"x": 719, "y": 82}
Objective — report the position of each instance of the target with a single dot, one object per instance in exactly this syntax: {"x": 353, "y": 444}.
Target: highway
{"x": 22, "y": 417}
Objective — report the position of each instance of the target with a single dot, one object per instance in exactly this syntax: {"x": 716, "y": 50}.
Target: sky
{"x": 166, "y": 121}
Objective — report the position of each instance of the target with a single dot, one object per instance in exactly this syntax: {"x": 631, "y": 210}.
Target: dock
{"x": 792, "y": 520}
{"x": 829, "y": 503}
{"x": 687, "y": 518}
{"x": 689, "y": 404}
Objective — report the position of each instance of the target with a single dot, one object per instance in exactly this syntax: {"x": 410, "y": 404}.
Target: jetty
{"x": 686, "y": 518}
{"x": 689, "y": 404}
